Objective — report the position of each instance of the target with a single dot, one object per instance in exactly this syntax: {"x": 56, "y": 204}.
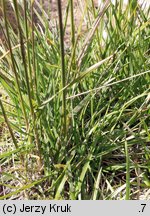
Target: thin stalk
{"x": 73, "y": 42}
{"x": 13, "y": 64}
{"x": 97, "y": 31}
{"x": 27, "y": 77}
{"x": 28, "y": 51}
{"x": 35, "y": 84}
{"x": 8, "y": 125}
{"x": 66, "y": 16}
{"x": 92, "y": 32}
{"x": 30, "y": 72}
{"x": 33, "y": 50}
{"x": 73, "y": 53}
{"x": 62, "y": 67}
{"x": 72, "y": 24}
{"x": 23, "y": 56}
{"x": 127, "y": 172}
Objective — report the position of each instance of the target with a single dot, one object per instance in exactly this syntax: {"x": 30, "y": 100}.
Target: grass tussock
{"x": 75, "y": 119}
